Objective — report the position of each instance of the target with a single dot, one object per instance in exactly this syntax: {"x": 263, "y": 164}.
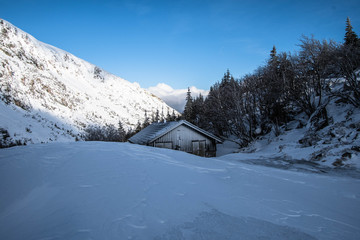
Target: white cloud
{"x": 175, "y": 98}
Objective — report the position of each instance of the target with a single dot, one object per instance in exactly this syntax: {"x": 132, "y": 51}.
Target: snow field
{"x": 93, "y": 190}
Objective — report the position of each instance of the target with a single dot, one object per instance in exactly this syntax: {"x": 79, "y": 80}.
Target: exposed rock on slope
{"x": 47, "y": 94}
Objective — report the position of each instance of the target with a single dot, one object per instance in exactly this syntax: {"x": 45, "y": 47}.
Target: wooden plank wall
{"x": 182, "y": 138}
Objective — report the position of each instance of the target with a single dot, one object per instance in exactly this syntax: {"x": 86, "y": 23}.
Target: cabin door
{"x": 198, "y": 147}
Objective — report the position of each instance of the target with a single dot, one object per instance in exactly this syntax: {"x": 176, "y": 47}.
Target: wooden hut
{"x": 180, "y": 135}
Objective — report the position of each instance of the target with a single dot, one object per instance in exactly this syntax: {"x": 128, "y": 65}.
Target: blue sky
{"x": 180, "y": 43}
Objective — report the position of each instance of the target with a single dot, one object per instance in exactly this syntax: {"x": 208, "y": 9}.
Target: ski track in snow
{"x": 93, "y": 190}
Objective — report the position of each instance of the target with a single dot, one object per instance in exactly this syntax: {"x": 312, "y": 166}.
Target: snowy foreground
{"x": 92, "y": 190}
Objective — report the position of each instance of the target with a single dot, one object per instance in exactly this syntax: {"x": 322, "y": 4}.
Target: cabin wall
{"x": 186, "y": 139}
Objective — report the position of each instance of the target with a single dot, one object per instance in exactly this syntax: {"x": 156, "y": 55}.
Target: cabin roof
{"x": 157, "y": 130}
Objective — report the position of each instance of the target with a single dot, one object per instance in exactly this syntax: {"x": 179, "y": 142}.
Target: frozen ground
{"x": 92, "y": 190}
{"x": 285, "y": 153}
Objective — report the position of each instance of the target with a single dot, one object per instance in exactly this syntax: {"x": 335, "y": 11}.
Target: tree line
{"x": 156, "y": 117}
{"x": 287, "y": 85}
{"x": 112, "y": 133}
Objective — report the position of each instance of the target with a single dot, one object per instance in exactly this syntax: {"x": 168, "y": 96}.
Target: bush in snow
{"x": 6, "y": 141}
{"x": 98, "y": 73}
{"x": 107, "y": 133}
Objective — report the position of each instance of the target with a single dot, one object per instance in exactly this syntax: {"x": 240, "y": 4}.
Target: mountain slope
{"x": 62, "y": 92}
{"x": 96, "y": 190}
{"x": 335, "y": 146}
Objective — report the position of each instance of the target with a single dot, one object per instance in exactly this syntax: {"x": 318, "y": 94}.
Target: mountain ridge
{"x": 38, "y": 80}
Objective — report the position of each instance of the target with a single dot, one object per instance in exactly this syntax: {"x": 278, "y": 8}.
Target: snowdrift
{"x": 93, "y": 190}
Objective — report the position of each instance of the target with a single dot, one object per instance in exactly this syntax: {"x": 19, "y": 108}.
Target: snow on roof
{"x": 157, "y": 130}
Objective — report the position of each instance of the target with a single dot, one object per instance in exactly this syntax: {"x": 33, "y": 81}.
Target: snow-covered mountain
{"x": 47, "y": 94}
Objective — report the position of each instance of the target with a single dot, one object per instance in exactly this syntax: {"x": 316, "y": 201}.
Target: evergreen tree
{"x": 173, "y": 116}
{"x": 121, "y": 132}
{"x": 162, "y": 117}
{"x": 129, "y": 134}
{"x": 198, "y": 111}
{"x": 351, "y": 39}
{"x": 214, "y": 111}
{"x": 273, "y": 55}
{"x": 226, "y": 79}
{"x": 188, "y": 111}
{"x": 272, "y": 89}
{"x": 157, "y": 116}
{"x": 138, "y": 127}
{"x": 168, "y": 116}
{"x": 227, "y": 93}
{"x": 349, "y": 63}
{"x": 146, "y": 121}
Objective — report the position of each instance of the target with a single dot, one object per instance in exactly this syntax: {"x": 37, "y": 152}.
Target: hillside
{"x": 47, "y": 94}
{"x": 335, "y": 147}
{"x": 94, "y": 190}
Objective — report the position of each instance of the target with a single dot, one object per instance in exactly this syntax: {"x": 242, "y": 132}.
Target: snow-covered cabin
{"x": 179, "y": 135}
